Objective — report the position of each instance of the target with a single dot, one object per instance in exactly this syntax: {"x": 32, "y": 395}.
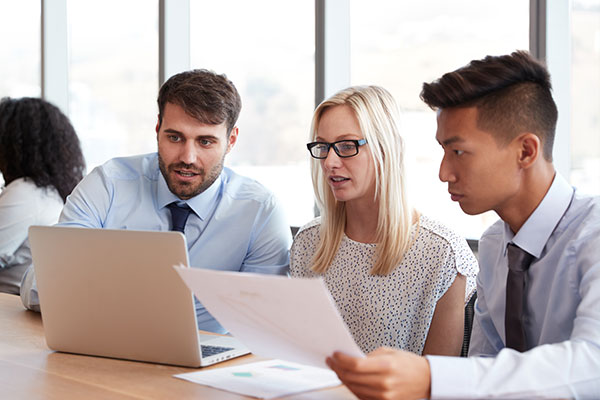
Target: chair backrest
{"x": 474, "y": 245}
{"x": 294, "y": 230}
{"x": 469, "y": 314}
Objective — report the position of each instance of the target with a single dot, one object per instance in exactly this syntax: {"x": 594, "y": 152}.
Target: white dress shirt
{"x": 562, "y": 308}
{"x": 22, "y": 204}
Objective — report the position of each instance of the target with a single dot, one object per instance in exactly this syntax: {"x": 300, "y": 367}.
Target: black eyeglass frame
{"x": 357, "y": 144}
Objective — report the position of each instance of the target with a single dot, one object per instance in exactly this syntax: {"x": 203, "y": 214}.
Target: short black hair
{"x": 38, "y": 143}
{"x": 512, "y": 94}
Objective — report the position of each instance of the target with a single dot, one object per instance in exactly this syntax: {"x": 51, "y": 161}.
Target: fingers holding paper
{"x": 384, "y": 374}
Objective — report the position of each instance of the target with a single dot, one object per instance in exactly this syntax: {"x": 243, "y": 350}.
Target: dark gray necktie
{"x": 518, "y": 264}
{"x": 179, "y": 216}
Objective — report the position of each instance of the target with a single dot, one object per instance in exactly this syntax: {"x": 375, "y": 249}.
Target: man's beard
{"x": 188, "y": 190}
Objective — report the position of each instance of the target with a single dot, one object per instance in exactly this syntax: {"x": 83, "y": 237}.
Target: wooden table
{"x": 29, "y": 370}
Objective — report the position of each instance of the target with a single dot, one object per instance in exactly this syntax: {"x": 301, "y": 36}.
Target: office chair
{"x": 469, "y": 314}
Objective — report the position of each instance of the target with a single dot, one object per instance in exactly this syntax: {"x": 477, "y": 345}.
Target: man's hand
{"x": 384, "y": 374}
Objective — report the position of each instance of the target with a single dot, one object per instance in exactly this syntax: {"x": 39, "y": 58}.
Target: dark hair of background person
{"x": 512, "y": 94}
{"x": 210, "y": 98}
{"x": 38, "y": 142}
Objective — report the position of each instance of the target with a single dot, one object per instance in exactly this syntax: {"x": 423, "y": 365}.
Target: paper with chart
{"x": 274, "y": 316}
{"x": 265, "y": 379}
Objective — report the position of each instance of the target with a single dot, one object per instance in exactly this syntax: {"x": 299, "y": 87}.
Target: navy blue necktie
{"x": 179, "y": 216}
{"x": 518, "y": 264}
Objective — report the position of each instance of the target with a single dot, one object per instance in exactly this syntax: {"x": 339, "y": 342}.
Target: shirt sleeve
{"x": 28, "y": 292}
{"x": 458, "y": 259}
{"x": 269, "y": 250}
{"x": 570, "y": 369}
{"x": 15, "y": 217}
{"x": 467, "y": 265}
{"x": 89, "y": 203}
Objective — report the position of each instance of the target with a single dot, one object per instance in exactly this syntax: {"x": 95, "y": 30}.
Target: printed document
{"x": 274, "y": 316}
{"x": 265, "y": 379}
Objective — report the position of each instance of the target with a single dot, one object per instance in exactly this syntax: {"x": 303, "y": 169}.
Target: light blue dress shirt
{"x": 236, "y": 224}
{"x": 562, "y": 309}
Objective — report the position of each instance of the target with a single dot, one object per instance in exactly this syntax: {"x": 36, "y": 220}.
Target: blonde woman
{"x": 400, "y": 279}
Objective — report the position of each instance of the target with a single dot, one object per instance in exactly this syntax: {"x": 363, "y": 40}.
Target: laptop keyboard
{"x": 212, "y": 350}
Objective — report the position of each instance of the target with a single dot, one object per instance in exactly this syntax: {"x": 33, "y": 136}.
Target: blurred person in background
{"x": 41, "y": 162}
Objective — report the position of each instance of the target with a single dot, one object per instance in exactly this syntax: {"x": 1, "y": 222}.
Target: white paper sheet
{"x": 265, "y": 379}
{"x": 274, "y": 316}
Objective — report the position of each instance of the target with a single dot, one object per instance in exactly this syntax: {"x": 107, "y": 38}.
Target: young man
{"x": 230, "y": 222}
{"x": 537, "y": 318}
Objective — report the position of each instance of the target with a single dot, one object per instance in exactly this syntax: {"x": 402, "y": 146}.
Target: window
{"x": 266, "y": 48}
{"x": 20, "y": 30}
{"x": 20, "y": 48}
{"x": 585, "y": 95}
{"x": 113, "y": 76}
{"x": 399, "y": 45}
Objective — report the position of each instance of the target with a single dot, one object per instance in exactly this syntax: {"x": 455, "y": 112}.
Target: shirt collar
{"x": 202, "y": 204}
{"x": 536, "y": 231}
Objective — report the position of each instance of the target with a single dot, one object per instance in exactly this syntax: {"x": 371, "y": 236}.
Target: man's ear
{"x": 530, "y": 149}
{"x": 233, "y": 135}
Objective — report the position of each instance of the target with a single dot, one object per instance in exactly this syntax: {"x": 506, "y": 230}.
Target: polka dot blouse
{"x": 393, "y": 310}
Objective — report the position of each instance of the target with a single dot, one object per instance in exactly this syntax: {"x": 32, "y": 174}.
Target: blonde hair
{"x": 377, "y": 115}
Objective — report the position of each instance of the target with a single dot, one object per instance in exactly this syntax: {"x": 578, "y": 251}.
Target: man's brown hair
{"x": 512, "y": 94}
{"x": 210, "y": 98}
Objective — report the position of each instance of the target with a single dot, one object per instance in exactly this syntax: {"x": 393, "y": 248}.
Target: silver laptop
{"x": 114, "y": 293}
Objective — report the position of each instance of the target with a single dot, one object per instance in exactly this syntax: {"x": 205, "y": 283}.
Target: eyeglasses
{"x": 343, "y": 148}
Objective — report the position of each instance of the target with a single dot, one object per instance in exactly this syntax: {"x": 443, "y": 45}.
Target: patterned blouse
{"x": 392, "y": 310}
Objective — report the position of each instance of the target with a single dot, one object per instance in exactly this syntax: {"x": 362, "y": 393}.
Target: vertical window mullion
{"x": 558, "y": 60}
{"x": 55, "y": 61}
{"x": 332, "y": 47}
{"x": 174, "y": 38}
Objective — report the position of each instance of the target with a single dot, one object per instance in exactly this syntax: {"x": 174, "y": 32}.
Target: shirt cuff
{"x": 28, "y": 291}
{"x": 451, "y": 377}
